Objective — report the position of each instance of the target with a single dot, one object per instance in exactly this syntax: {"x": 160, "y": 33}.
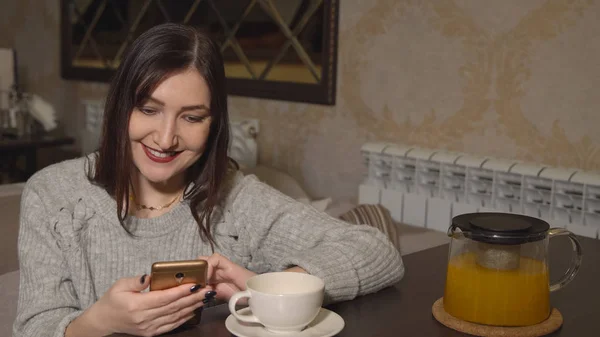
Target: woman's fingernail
{"x": 210, "y": 294}
{"x": 195, "y": 288}
{"x": 143, "y": 279}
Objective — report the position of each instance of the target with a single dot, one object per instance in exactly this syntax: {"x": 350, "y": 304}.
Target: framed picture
{"x": 276, "y": 49}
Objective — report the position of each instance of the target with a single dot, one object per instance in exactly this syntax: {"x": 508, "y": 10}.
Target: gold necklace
{"x": 152, "y": 208}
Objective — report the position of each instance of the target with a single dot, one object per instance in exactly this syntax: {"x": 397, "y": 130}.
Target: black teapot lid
{"x": 501, "y": 228}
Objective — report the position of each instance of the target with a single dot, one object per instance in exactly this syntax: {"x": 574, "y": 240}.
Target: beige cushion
{"x": 279, "y": 180}
{"x": 10, "y": 201}
{"x": 9, "y": 295}
{"x": 285, "y": 184}
{"x": 340, "y": 206}
{"x": 414, "y": 239}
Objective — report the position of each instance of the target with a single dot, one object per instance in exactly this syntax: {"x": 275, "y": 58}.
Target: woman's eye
{"x": 195, "y": 119}
{"x": 147, "y": 111}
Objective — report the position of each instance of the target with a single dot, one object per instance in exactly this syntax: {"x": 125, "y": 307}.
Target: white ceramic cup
{"x": 281, "y": 301}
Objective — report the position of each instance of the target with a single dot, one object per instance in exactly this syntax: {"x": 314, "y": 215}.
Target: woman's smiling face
{"x": 169, "y": 130}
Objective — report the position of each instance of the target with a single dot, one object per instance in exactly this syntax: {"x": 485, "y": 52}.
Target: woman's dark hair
{"x": 158, "y": 53}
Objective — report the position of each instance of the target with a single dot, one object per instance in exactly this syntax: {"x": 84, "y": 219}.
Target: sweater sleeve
{"x": 47, "y": 299}
{"x": 280, "y": 232}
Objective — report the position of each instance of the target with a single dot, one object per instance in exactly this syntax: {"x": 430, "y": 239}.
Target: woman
{"x": 162, "y": 188}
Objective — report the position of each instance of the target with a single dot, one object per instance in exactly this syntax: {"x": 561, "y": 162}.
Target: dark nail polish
{"x": 143, "y": 279}
{"x": 195, "y": 288}
{"x": 209, "y": 300}
{"x": 210, "y": 294}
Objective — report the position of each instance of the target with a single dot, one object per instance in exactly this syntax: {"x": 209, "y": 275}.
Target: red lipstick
{"x": 156, "y": 159}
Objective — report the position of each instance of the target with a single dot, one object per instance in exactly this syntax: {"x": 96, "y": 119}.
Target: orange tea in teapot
{"x": 511, "y": 297}
{"x": 498, "y": 270}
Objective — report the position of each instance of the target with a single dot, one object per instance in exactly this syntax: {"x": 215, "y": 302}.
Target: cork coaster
{"x": 550, "y": 325}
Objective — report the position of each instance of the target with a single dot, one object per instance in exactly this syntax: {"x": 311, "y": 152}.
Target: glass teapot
{"x": 498, "y": 271}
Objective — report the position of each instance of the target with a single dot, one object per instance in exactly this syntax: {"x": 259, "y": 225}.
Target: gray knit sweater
{"x": 72, "y": 247}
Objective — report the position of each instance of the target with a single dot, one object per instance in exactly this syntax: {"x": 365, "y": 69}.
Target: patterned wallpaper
{"x": 510, "y": 78}
{"x": 507, "y": 78}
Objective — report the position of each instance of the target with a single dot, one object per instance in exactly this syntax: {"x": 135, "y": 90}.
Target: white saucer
{"x": 326, "y": 324}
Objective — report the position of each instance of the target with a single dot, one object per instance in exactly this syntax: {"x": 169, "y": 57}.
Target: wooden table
{"x": 405, "y": 308}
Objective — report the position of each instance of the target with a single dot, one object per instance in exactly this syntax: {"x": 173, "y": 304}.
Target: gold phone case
{"x": 169, "y": 274}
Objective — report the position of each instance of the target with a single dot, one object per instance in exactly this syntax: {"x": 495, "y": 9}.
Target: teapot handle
{"x": 575, "y": 262}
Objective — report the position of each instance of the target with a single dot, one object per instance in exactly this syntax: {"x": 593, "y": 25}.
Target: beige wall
{"x": 507, "y": 78}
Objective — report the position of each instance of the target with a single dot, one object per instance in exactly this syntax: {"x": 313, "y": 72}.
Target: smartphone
{"x": 169, "y": 274}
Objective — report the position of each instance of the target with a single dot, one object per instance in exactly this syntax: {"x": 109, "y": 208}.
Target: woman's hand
{"x": 226, "y": 277}
{"x": 124, "y": 309}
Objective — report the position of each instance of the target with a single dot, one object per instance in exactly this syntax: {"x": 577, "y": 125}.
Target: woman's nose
{"x": 166, "y": 135}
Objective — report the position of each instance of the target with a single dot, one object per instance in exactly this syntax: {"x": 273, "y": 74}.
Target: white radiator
{"x": 426, "y": 188}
